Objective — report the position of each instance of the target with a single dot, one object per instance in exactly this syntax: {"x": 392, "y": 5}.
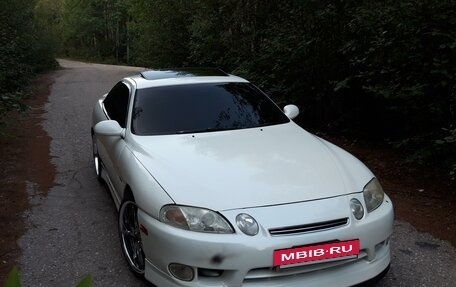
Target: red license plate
{"x": 316, "y": 253}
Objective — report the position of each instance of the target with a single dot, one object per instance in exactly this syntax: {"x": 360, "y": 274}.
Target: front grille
{"x": 308, "y": 227}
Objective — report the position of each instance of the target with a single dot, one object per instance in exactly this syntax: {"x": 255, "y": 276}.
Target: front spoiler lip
{"x": 377, "y": 278}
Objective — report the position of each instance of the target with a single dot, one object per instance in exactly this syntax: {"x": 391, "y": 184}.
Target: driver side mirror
{"x": 291, "y": 111}
{"x": 108, "y": 128}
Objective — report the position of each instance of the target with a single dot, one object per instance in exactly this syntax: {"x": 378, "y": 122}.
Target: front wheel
{"x": 130, "y": 237}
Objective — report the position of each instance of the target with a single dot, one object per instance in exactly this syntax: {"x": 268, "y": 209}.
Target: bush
{"x": 13, "y": 280}
{"x": 25, "y": 50}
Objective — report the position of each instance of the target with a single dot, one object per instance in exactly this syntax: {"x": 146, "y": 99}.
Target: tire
{"x": 130, "y": 237}
{"x": 96, "y": 160}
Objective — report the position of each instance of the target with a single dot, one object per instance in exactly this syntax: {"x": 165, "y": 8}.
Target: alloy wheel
{"x": 130, "y": 236}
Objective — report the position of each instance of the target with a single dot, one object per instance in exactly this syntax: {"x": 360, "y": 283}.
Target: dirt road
{"x": 72, "y": 230}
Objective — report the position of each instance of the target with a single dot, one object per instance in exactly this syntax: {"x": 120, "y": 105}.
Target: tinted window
{"x": 202, "y": 107}
{"x": 116, "y": 103}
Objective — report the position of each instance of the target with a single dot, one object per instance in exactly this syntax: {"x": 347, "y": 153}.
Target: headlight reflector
{"x": 247, "y": 224}
{"x": 373, "y": 195}
{"x": 356, "y": 208}
{"x": 194, "y": 219}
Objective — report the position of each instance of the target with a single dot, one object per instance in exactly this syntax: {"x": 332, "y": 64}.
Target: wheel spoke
{"x": 131, "y": 237}
{"x": 127, "y": 232}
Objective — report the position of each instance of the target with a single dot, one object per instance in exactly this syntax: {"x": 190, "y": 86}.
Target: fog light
{"x": 209, "y": 272}
{"x": 357, "y": 208}
{"x": 181, "y": 272}
{"x": 247, "y": 224}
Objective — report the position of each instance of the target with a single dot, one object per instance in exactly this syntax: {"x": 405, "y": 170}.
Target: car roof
{"x": 181, "y": 72}
{"x": 180, "y": 76}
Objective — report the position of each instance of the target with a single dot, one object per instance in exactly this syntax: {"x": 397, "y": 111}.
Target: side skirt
{"x": 111, "y": 188}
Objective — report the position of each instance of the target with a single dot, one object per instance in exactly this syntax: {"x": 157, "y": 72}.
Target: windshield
{"x": 205, "y": 107}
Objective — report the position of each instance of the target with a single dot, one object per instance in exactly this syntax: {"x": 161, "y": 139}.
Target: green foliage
{"x": 85, "y": 282}
{"x": 12, "y": 101}
{"x": 401, "y": 58}
{"x": 445, "y": 148}
{"x": 95, "y": 29}
{"x": 159, "y": 32}
{"x": 13, "y": 280}
{"x": 25, "y": 50}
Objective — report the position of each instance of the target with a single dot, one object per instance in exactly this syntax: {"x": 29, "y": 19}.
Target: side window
{"x": 116, "y": 103}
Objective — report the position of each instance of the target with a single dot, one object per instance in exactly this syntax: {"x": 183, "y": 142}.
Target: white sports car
{"x": 217, "y": 186}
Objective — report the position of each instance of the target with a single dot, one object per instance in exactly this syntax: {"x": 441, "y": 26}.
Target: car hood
{"x": 250, "y": 167}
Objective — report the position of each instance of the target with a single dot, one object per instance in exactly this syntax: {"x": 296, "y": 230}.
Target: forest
{"x": 25, "y": 49}
{"x": 382, "y": 71}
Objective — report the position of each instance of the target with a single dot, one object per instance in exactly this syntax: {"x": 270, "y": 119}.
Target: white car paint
{"x": 239, "y": 168}
{"x": 248, "y": 260}
{"x": 140, "y": 83}
{"x": 281, "y": 175}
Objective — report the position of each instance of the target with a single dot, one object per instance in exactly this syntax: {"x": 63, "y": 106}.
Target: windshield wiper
{"x": 204, "y": 130}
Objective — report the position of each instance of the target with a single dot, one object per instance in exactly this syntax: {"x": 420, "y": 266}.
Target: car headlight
{"x": 373, "y": 194}
{"x": 194, "y": 219}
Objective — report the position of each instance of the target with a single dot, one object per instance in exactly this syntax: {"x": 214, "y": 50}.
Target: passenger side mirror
{"x": 291, "y": 111}
{"x": 108, "y": 128}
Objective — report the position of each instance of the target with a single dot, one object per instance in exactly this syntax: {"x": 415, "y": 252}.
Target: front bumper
{"x": 248, "y": 260}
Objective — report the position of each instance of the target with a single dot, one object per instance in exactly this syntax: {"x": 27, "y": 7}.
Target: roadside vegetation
{"x": 14, "y": 280}
{"x": 380, "y": 71}
{"x": 26, "y": 49}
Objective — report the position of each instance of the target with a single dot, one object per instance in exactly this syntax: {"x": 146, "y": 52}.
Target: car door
{"x": 116, "y": 107}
